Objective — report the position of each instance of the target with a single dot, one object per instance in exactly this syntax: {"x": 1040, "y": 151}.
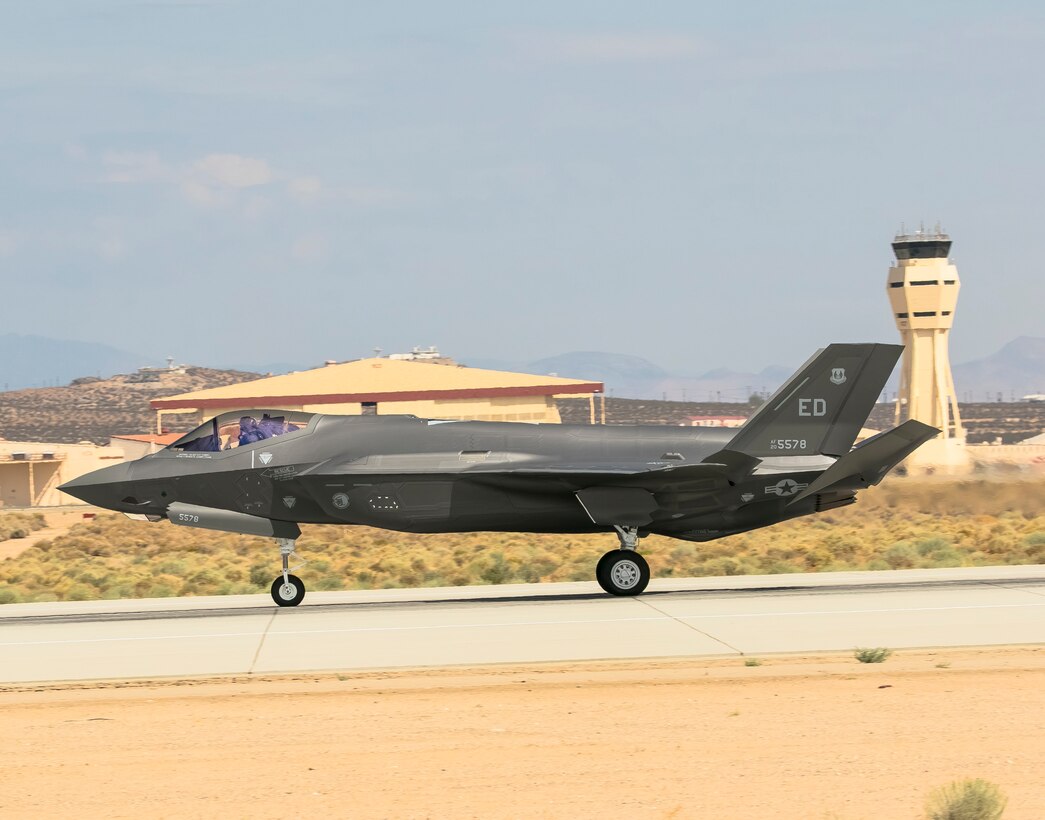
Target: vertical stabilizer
{"x": 820, "y": 410}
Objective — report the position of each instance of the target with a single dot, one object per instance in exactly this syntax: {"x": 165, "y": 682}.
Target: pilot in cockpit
{"x": 249, "y": 432}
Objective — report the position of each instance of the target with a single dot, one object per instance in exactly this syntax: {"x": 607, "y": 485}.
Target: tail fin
{"x": 821, "y": 409}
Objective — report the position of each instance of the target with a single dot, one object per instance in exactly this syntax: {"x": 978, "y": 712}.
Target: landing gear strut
{"x": 287, "y": 589}
{"x": 623, "y": 571}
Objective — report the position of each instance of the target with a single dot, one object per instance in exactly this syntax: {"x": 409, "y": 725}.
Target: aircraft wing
{"x": 724, "y": 464}
{"x": 625, "y": 496}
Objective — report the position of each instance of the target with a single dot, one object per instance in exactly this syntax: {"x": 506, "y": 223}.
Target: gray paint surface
{"x": 522, "y": 624}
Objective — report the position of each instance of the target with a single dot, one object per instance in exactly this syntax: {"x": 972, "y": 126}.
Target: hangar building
{"x": 385, "y": 386}
{"x": 30, "y": 471}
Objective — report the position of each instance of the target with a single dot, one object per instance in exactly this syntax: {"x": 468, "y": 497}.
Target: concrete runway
{"x": 741, "y": 615}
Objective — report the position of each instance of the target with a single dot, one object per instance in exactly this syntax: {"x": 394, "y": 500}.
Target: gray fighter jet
{"x": 267, "y": 471}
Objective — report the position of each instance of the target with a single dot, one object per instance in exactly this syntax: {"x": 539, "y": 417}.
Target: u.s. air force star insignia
{"x": 265, "y": 458}
{"x": 290, "y": 501}
{"x": 786, "y": 486}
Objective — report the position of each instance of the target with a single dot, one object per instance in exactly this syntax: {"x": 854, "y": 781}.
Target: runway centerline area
{"x": 537, "y": 623}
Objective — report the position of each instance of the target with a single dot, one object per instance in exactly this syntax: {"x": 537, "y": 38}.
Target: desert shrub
{"x": 876, "y": 655}
{"x": 966, "y": 800}
{"x": 901, "y": 556}
{"x": 9, "y": 595}
{"x": 903, "y": 523}
{"x": 20, "y": 524}
{"x": 495, "y": 570}
{"x": 927, "y": 546}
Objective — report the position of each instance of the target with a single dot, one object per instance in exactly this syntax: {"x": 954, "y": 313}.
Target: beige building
{"x": 923, "y": 292}
{"x": 384, "y": 386}
{"x": 136, "y": 446}
{"x": 715, "y": 421}
{"x": 30, "y": 471}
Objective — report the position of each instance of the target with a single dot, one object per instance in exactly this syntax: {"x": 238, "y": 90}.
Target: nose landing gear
{"x": 287, "y": 589}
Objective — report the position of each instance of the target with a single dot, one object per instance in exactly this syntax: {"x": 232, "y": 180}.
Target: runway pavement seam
{"x": 1037, "y": 590}
{"x": 261, "y": 642}
{"x": 691, "y": 627}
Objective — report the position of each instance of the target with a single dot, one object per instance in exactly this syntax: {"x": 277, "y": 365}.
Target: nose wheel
{"x": 290, "y": 592}
{"x": 287, "y": 589}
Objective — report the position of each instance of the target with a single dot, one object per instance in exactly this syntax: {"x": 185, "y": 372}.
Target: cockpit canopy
{"x": 240, "y": 428}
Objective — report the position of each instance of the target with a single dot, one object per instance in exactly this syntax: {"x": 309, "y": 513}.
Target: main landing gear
{"x": 623, "y": 571}
{"x": 287, "y": 589}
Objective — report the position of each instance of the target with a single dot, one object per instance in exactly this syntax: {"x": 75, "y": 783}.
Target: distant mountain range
{"x": 632, "y": 377}
{"x": 39, "y": 361}
{"x": 1017, "y": 369}
{"x": 1014, "y": 371}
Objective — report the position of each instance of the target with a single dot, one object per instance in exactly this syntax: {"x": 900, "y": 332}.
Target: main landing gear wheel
{"x": 290, "y": 592}
{"x": 622, "y": 572}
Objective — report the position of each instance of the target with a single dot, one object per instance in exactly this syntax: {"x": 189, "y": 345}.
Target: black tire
{"x": 281, "y": 593}
{"x": 622, "y": 572}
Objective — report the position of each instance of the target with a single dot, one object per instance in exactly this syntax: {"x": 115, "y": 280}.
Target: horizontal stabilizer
{"x": 868, "y": 463}
{"x": 623, "y": 506}
{"x": 209, "y": 518}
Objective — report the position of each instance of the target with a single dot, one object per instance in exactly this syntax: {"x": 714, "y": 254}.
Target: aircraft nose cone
{"x": 102, "y": 488}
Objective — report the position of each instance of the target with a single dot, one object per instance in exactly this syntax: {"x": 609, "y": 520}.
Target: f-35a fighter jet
{"x": 264, "y": 472}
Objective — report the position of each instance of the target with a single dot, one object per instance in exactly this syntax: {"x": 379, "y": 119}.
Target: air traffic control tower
{"x": 923, "y": 291}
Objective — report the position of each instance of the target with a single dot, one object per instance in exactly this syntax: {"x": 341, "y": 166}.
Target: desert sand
{"x": 796, "y": 737}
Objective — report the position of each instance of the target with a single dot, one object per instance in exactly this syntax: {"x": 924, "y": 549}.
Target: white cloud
{"x": 611, "y": 47}
{"x": 232, "y": 170}
{"x": 310, "y": 248}
{"x": 135, "y": 167}
{"x": 8, "y": 243}
{"x": 111, "y": 248}
{"x": 257, "y": 207}
{"x": 305, "y": 187}
{"x": 74, "y": 150}
{"x": 378, "y": 196}
{"x": 200, "y": 193}
{"x": 109, "y": 242}
{"x": 214, "y": 180}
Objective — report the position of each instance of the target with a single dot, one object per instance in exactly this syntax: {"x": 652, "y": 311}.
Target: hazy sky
{"x": 700, "y": 184}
